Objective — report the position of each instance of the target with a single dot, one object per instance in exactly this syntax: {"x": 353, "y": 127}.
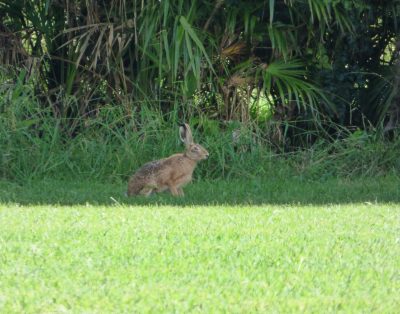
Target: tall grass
{"x": 114, "y": 141}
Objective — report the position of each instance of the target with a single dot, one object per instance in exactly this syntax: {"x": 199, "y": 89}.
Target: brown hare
{"x": 169, "y": 173}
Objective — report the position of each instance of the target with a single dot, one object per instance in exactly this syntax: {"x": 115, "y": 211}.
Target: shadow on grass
{"x": 236, "y": 192}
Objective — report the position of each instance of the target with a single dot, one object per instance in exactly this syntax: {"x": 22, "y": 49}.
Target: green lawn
{"x": 237, "y": 247}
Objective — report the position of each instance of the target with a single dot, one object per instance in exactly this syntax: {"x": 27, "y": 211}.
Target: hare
{"x": 169, "y": 173}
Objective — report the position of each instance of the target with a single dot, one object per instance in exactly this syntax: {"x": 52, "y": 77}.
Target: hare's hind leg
{"x": 148, "y": 189}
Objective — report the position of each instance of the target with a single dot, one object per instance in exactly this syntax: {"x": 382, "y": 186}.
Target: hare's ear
{"x": 185, "y": 134}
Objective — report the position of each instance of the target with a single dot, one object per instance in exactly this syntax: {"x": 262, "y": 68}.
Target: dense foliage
{"x": 306, "y": 57}
{"x": 285, "y": 73}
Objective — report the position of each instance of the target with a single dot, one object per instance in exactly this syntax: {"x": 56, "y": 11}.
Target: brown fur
{"x": 170, "y": 173}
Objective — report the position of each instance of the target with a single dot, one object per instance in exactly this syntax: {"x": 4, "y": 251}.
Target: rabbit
{"x": 170, "y": 173}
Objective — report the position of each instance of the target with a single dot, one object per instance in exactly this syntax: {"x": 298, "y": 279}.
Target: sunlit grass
{"x": 130, "y": 255}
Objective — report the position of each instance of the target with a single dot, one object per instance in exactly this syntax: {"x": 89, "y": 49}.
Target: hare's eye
{"x": 195, "y": 149}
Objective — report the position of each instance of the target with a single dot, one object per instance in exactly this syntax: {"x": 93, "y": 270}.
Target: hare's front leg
{"x": 175, "y": 191}
{"x": 180, "y": 191}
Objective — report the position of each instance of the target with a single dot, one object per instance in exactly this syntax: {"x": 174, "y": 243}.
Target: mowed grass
{"x": 80, "y": 253}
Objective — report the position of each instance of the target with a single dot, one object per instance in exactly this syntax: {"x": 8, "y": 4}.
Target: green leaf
{"x": 188, "y": 28}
